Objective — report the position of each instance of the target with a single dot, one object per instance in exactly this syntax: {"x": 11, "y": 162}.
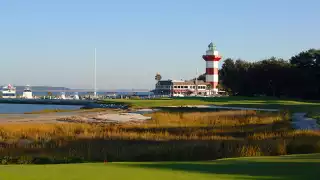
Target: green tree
{"x": 299, "y": 77}
{"x": 202, "y": 77}
{"x": 310, "y": 58}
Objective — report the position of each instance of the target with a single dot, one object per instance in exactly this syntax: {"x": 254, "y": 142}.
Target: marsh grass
{"x": 168, "y": 136}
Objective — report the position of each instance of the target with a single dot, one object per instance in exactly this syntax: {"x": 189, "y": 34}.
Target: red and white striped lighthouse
{"x": 212, "y": 58}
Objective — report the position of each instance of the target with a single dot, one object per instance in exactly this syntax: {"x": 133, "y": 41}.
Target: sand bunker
{"x": 79, "y": 117}
{"x": 108, "y": 118}
{"x": 122, "y": 117}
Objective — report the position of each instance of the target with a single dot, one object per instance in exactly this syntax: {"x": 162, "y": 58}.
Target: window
{"x": 186, "y": 87}
{"x": 8, "y": 94}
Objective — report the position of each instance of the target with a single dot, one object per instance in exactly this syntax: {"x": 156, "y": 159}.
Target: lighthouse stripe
{"x": 210, "y": 71}
{"x": 212, "y": 78}
{"x": 209, "y": 78}
{"x": 215, "y": 78}
{"x": 216, "y": 64}
{"x": 215, "y": 71}
{"x": 209, "y": 64}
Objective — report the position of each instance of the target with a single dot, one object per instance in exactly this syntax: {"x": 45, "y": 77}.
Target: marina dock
{"x": 47, "y": 101}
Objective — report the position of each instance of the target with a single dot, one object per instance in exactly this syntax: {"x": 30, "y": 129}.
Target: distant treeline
{"x": 42, "y": 88}
{"x": 298, "y": 77}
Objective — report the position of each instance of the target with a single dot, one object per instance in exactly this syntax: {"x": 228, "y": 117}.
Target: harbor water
{"x": 23, "y": 108}
{"x": 43, "y": 93}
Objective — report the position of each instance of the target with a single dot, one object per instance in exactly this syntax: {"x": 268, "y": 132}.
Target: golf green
{"x": 283, "y": 167}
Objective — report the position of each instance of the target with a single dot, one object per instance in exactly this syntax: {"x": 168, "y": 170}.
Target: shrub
{"x": 249, "y": 150}
{"x": 303, "y": 147}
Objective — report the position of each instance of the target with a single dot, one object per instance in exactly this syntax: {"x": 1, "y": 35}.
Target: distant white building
{"x": 8, "y": 92}
{"x": 27, "y": 93}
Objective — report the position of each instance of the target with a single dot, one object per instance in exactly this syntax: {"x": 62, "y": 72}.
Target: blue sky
{"x": 52, "y": 42}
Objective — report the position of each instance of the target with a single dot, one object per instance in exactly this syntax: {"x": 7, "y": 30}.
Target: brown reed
{"x": 168, "y": 136}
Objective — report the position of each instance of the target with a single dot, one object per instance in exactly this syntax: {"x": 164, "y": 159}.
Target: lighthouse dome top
{"x": 212, "y": 50}
{"x": 211, "y": 46}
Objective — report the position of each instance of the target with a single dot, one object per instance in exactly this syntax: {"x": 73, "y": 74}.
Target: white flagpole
{"x": 197, "y": 82}
{"x": 95, "y": 72}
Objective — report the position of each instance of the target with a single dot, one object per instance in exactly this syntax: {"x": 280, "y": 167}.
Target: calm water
{"x": 35, "y": 93}
{"x": 22, "y": 108}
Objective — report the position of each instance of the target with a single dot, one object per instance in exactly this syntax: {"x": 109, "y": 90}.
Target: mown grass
{"x": 314, "y": 115}
{"x": 168, "y": 136}
{"x": 284, "y": 167}
{"x": 145, "y": 103}
{"x": 248, "y": 102}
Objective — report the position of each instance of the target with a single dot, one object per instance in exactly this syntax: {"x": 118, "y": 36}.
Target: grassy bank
{"x": 314, "y": 115}
{"x": 285, "y": 167}
{"x": 167, "y": 137}
{"x": 249, "y": 102}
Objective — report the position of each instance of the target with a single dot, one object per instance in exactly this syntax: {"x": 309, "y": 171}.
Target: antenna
{"x": 95, "y": 72}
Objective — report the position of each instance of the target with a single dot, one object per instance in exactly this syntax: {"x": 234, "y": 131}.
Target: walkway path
{"x": 300, "y": 121}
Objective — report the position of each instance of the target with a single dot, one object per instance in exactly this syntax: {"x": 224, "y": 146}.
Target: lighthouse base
{"x": 213, "y": 92}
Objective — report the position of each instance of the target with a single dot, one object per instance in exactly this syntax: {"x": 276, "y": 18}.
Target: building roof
{"x": 190, "y": 83}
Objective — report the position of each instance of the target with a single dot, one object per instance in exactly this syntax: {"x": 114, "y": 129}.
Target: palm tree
{"x": 209, "y": 87}
{"x": 158, "y": 77}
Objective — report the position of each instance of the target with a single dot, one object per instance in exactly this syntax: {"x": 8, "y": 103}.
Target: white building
{"x": 27, "y": 93}
{"x": 8, "y": 92}
{"x": 182, "y": 88}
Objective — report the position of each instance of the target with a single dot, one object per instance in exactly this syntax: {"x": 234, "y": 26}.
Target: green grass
{"x": 283, "y": 167}
{"x": 249, "y": 102}
{"x": 156, "y": 103}
{"x": 314, "y": 115}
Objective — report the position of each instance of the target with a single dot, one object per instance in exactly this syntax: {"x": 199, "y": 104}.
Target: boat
{"x": 27, "y": 92}
{"x": 8, "y": 91}
{"x": 63, "y": 95}
{"x": 76, "y": 96}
